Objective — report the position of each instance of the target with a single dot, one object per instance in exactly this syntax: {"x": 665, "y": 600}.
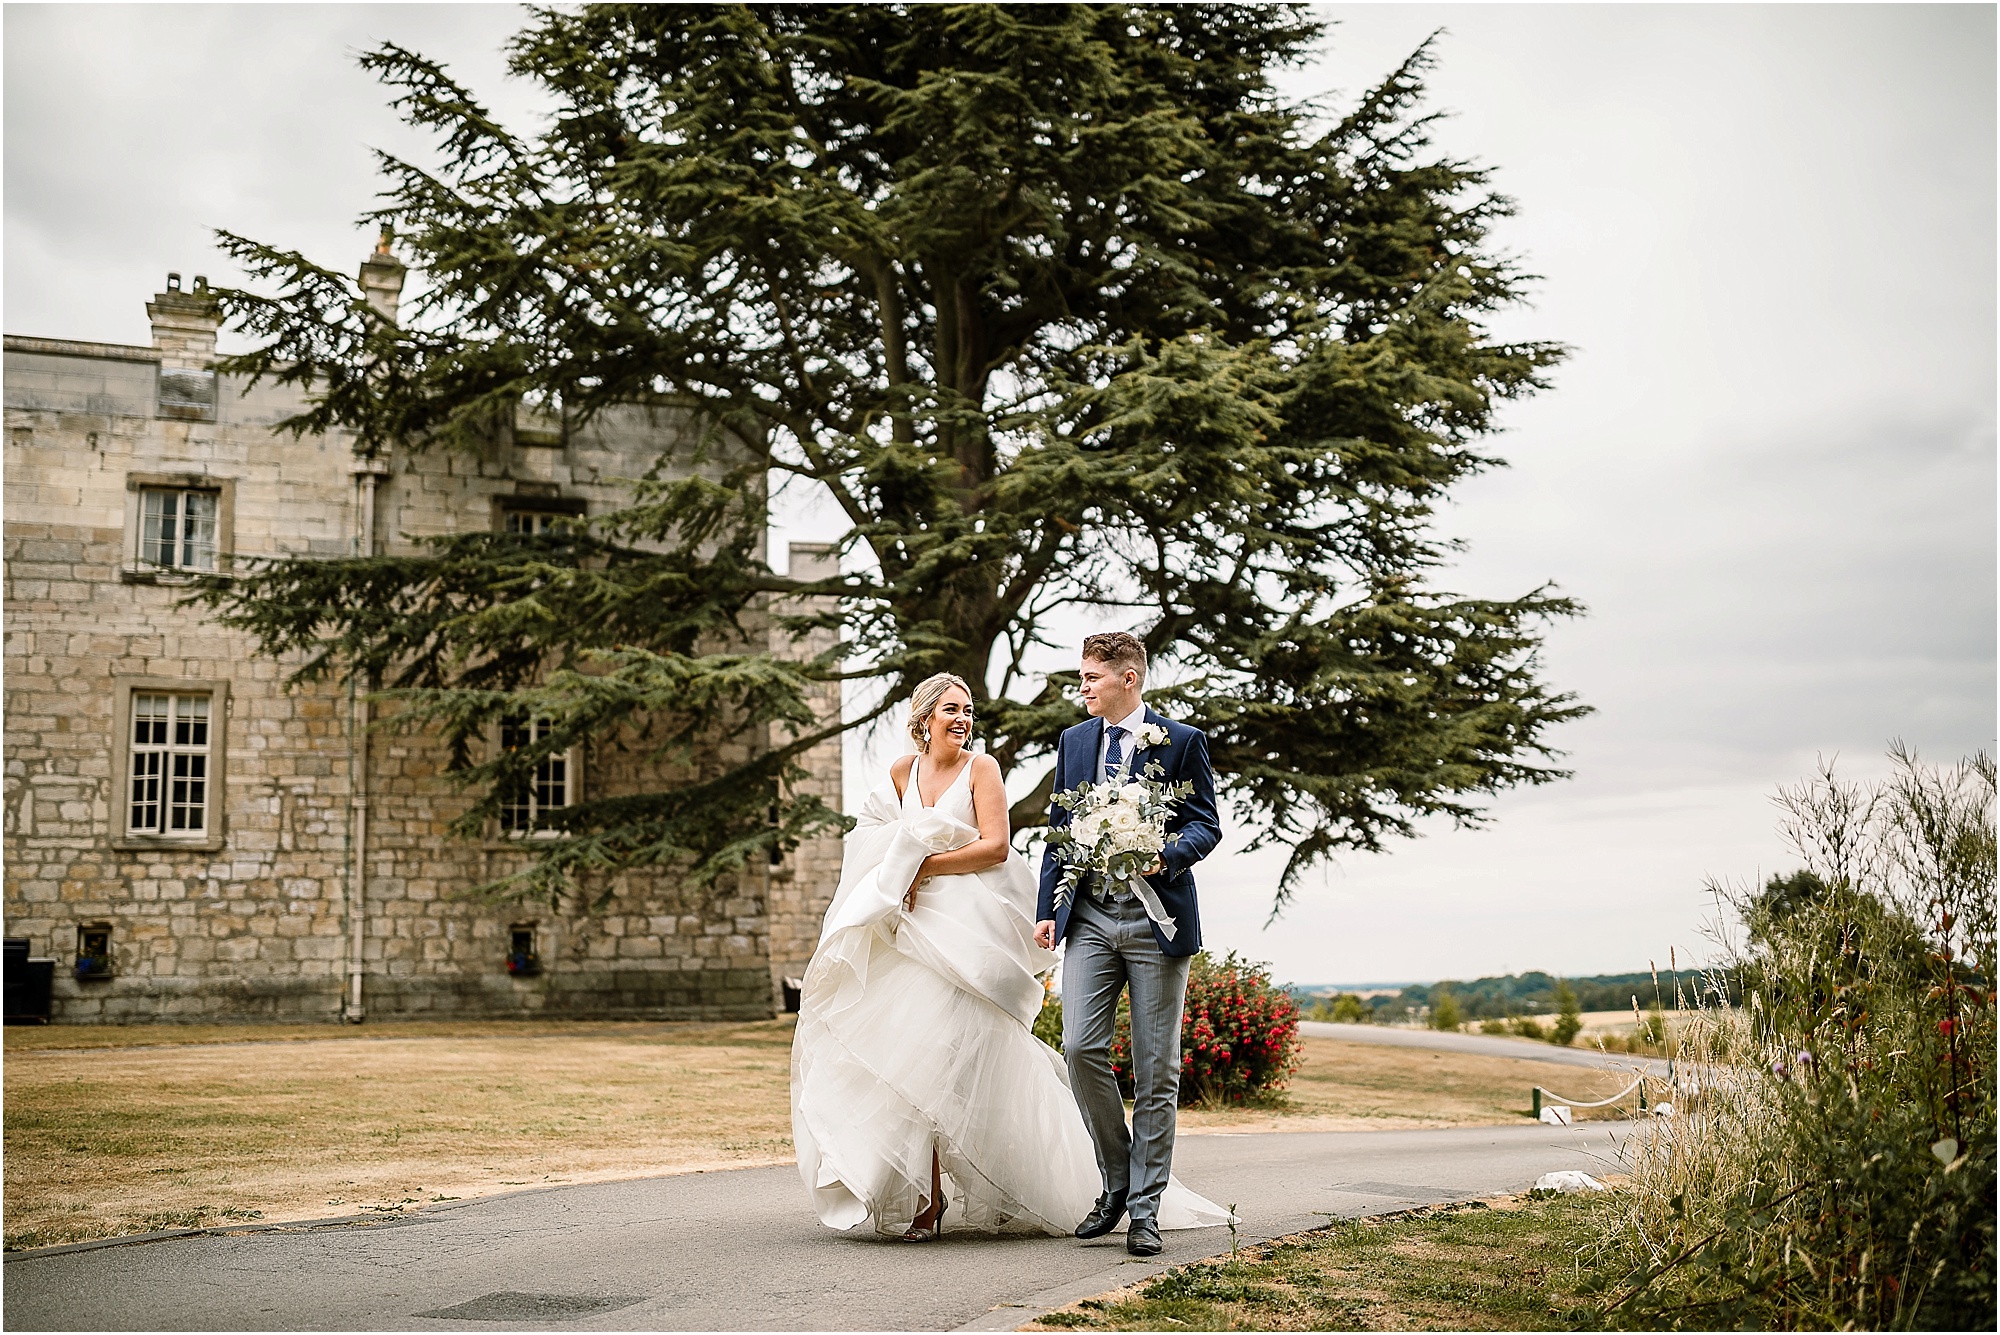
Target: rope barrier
{"x": 1638, "y": 1084}
{"x": 1601, "y": 1103}
{"x": 1710, "y": 1077}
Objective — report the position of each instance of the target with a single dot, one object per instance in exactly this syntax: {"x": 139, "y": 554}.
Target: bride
{"x": 918, "y": 1088}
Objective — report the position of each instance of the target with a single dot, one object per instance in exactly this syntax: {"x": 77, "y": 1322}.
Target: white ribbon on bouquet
{"x": 1155, "y": 910}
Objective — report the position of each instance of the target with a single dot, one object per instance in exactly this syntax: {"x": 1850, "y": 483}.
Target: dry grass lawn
{"x": 1368, "y": 1087}
{"x": 122, "y": 1139}
{"x": 113, "y": 1130}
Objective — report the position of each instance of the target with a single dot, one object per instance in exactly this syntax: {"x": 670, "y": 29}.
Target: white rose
{"x": 1152, "y": 734}
{"x": 1132, "y": 795}
{"x": 1088, "y": 828}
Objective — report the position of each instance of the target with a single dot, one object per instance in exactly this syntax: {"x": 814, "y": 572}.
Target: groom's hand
{"x": 1045, "y": 934}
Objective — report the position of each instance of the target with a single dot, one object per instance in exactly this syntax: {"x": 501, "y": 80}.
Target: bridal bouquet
{"x": 1117, "y": 829}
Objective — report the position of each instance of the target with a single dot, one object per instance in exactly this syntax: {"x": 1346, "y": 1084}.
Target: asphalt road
{"x": 740, "y": 1250}
{"x": 1484, "y": 1045}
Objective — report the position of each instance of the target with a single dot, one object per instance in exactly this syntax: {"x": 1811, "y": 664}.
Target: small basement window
{"x": 523, "y": 961}
{"x": 93, "y": 951}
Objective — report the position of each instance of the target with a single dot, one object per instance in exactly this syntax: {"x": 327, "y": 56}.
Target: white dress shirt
{"x": 1131, "y": 723}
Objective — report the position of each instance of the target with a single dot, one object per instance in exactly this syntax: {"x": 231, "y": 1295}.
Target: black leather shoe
{"x": 1143, "y": 1238}
{"x": 1104, "y": 1216}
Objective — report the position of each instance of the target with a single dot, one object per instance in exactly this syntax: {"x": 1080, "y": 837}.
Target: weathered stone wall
{"x": 246, "y": 924}
{"x": 802, "y": 884}
{"x": 254, "y": 920}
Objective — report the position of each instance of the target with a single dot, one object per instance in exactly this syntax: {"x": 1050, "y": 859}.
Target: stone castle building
{"x": 191, "y": 840}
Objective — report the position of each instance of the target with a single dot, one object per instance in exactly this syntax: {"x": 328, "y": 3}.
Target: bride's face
{"x": 951, "y": 723}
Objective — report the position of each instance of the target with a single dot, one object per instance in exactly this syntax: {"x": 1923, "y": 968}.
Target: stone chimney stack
{"x": 184, "y": 324}
{"x": 382, "y": 279}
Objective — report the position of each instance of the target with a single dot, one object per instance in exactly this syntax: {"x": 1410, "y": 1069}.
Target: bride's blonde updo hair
{"x": 924, "y": 703}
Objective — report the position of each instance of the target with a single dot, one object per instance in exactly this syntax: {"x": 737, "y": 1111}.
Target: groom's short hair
{"x": 1117, "y": 650}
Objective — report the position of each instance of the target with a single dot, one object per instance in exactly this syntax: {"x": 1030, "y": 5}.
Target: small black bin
{"x": 28, "y": 984}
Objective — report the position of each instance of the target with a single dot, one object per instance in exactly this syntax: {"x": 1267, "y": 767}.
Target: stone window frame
{"x": 216, "y": 836}
{"x": 526, "y": 964}
{"x": 570, "y": 507}
{"x": 573, "y": 770}
{"x": 535, "y": 502}
{"x": 84, "y": 931}
{"x": 135, "y": 569}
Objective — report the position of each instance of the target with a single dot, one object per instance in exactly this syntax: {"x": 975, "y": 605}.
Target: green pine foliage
{"x": 1063, "y": 306}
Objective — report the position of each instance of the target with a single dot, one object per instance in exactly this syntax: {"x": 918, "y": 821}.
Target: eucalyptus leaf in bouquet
{"x": 1117, "y": 829}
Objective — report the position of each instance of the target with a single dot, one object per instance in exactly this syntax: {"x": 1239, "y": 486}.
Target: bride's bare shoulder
{"x": 899, "y": 772}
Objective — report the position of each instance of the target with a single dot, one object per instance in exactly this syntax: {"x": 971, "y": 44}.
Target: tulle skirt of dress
{"x": 914, "y": 1032}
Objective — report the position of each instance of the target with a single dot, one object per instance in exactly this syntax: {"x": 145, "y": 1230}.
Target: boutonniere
{"x": 1152, "y": 734}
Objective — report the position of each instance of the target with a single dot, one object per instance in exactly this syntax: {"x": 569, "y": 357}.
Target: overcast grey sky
{"x": 1768, "y": 232}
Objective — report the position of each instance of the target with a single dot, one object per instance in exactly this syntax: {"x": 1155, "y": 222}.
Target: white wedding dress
{"x": 914, "y": 1032}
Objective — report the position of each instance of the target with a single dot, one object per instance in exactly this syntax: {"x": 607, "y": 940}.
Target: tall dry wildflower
{"x": 1831, "y": 1162}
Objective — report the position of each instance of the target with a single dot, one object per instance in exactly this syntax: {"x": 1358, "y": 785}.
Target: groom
{"x": 1115, "y": 939}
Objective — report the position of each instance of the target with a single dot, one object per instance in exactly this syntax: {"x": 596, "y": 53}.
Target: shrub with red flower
{"x": 1239, "y": 1034}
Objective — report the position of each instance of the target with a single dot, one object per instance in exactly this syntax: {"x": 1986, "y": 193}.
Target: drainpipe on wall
{"x": 368, "y": 474}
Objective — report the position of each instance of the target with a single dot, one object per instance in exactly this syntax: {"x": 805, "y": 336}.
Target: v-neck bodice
{"x": 913, "y": 797}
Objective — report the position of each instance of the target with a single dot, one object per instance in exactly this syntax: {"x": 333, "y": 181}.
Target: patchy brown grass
{"x": 122, "y": 1129}
{"x": 1503, "y": 1264}
{"x": 105, "y": 1136}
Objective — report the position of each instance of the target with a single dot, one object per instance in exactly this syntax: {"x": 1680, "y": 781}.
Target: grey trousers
{"x": 1111, "y": 946}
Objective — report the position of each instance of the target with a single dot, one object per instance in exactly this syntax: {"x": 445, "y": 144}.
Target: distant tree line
{"x": 1532, "y": 993}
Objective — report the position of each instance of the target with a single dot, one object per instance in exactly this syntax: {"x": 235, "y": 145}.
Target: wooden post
{"x": 1537, "y": 1094}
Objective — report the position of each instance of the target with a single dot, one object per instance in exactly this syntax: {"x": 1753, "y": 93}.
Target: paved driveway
{"x": 740, "y": 1250}
{"x": 1484, "y": 1045}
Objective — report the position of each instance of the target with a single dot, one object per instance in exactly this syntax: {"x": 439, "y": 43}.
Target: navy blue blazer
{"x": 1184, "y": 759}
